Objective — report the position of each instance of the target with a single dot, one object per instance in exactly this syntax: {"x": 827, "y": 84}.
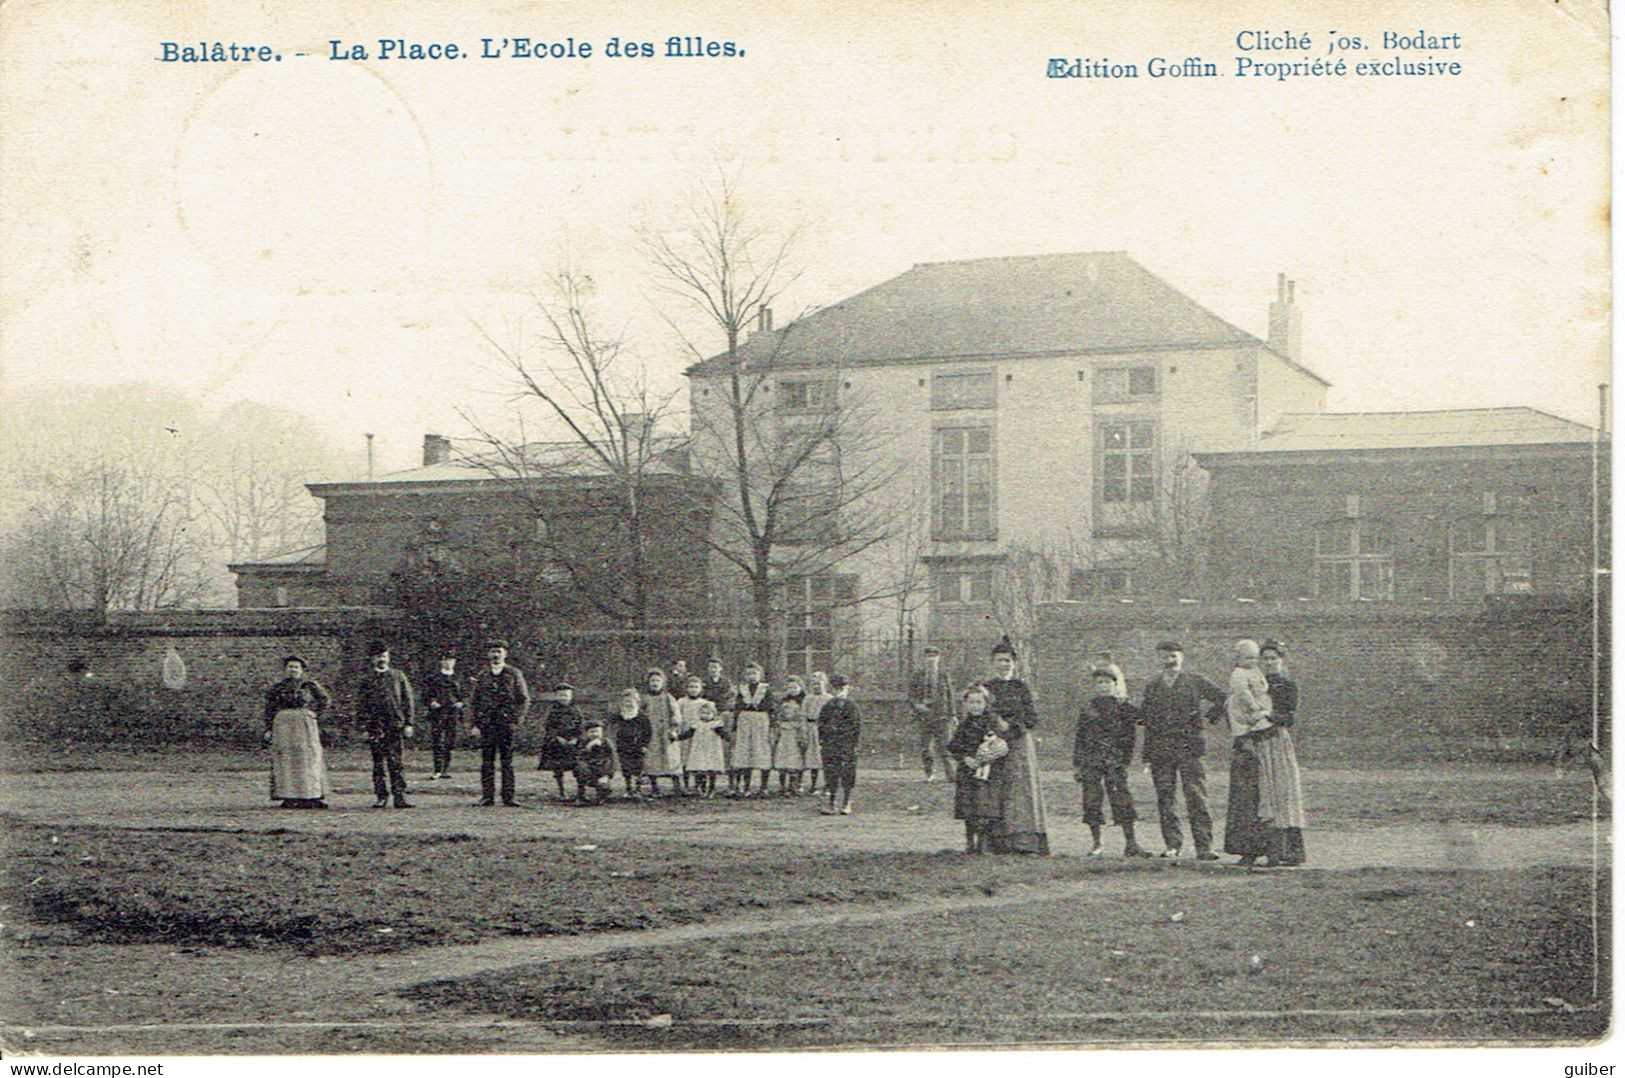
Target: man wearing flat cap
{"x": 931, "y": 698}
{"x": 384, "y": 709}
{"x": 1172, "y": 711}
{"x": 498, "y": 701}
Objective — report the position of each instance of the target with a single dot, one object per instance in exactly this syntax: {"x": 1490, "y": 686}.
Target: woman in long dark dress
{"x": 1264, "y": 817}
{"x": 298, "y": 769}
{"x": 1024, "y": 827}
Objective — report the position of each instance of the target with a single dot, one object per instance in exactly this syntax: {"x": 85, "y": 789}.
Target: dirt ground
{"x": 164, "y": 999}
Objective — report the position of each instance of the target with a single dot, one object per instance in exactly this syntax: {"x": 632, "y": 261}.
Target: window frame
{"x": 1353, "y": 561}
{"x": 964, "y": 529}
{"x": 1105, "y": 390}
{"x": 829, "y": 386}
{"x": 940, "y": 380}
{"x": 1493, "y": 559}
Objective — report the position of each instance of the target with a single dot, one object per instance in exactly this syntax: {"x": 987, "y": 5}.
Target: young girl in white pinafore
{"x": 812, "y": 757}
{"x": 700, "y": 727}
{"x": 790, "y": 738}
{"x": 752, "y": 748}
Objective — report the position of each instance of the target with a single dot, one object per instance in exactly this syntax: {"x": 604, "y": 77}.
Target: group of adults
{"x": 983, "y": 737}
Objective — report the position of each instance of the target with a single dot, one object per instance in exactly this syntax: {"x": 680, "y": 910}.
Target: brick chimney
{"x": 1286, "y": 321}
{"x": 436, "y": 449}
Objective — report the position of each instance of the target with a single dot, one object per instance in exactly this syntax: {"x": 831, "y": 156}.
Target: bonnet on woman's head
{"x": 1245, "y": 649}
{"x": 1004, "y": 647}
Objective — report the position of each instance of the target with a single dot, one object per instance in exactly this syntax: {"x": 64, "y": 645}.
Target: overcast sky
{"x": 328, "y": 236}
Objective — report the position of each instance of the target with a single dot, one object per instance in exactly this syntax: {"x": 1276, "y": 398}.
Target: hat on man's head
{"x": 1272, "y": 645}
{"x": 286, "y": 659}
{"x": 377, "y": 647}
{"x": 593, "y": 724}
{"x": 564, "y": 686}
{"x": 1004, "y": 647}
{"x": 1170, "y": 645}
{"x": 714, "y": 659}
{"x": 931, "y": 649}
{"x": 838, "y": 681}
{"x": 489, "y": 644}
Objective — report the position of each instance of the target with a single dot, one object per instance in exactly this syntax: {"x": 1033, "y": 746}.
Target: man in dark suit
{"x": 931, "y": 697}
{"x": 1172, "y": 712}
{"x": 384, "y": 709}
{"x": 497, "y": 702}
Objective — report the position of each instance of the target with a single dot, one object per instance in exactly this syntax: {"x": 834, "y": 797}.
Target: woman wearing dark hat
{"x": 1025, "y": 823}
{"x": 1265, "y": 817}
{"x": 298, "y": 771}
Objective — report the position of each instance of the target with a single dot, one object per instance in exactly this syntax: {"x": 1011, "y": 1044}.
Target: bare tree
{"x": 110, "y": 533}
{"x": 584, "y": 382}
{"x": 803, "y": 479}
{"x": 251, "y": 478}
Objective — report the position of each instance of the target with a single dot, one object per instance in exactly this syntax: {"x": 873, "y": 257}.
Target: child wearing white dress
{"x": 699, "y": 724}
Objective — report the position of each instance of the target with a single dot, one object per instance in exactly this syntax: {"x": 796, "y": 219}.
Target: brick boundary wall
{"x": 1504, "y": 679}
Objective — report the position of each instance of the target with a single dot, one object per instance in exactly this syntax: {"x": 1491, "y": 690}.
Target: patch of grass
{"x": 327, "y": 894}
{"x": 1299, "y": 950}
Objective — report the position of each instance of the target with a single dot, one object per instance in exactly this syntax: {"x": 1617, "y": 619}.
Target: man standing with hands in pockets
{"x": 1172, "y": 711}
{"x": 498, "y": 701}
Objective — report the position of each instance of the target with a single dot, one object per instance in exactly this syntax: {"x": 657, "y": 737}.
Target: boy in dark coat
{"x": 595, "y": 763}
{"x": 838, "y": 727}
{"x": 560, "y": 736}
{"x": 445, "y": 697}
{"x": 1101, "y": 751}
{"x": 632, "y": 732}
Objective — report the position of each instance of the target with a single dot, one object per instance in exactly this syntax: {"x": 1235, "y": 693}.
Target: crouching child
{"x": 595, "y": 764}
{"x": 1101, "y": 751}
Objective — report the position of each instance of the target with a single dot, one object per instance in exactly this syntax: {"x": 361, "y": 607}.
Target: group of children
{"x": 714, "y": 729}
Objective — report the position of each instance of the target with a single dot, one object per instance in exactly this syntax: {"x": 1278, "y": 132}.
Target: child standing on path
{"x": 560, "y": 735}
{"x": 700, "y": 727}
{"x": 631, "y": 732}
{"x": 839, "y": 726}
{"x": 977, "y": 796}
{"x": 1102, "y": 748}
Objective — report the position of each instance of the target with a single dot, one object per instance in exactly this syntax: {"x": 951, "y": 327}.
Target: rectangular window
{"x": 962, "y": 474}
{"x": 806, "y": 395}
{"x": 956, "y": 587}
{"x": 1354, "y": 559}
{"x": 1118, "y": 385}
{"x": 1127, "y": 463}
{"x": 1490, "y": 555}
{"x": 811, "y": 603}
{"x": 974, "y": 389}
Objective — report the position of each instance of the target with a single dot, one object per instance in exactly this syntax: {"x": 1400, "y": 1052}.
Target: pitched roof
{"x": 1312, "y": 431}
{"x": 1101, "y": 301}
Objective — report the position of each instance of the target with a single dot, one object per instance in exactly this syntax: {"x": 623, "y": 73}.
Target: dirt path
{"x": 227, "y": 801}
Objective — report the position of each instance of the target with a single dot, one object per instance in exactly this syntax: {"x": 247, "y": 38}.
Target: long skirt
{"x": 298, "y": 769}
{"x": 788, "y": 747}
{"x": 812, "y": 758}
{"x": 1265, "y": 817}
{"x": 1025, "y": 823}
{"x": 753, "y": 743}
{"x": 705, "y": 751}
{"x": 663, "y": 757}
